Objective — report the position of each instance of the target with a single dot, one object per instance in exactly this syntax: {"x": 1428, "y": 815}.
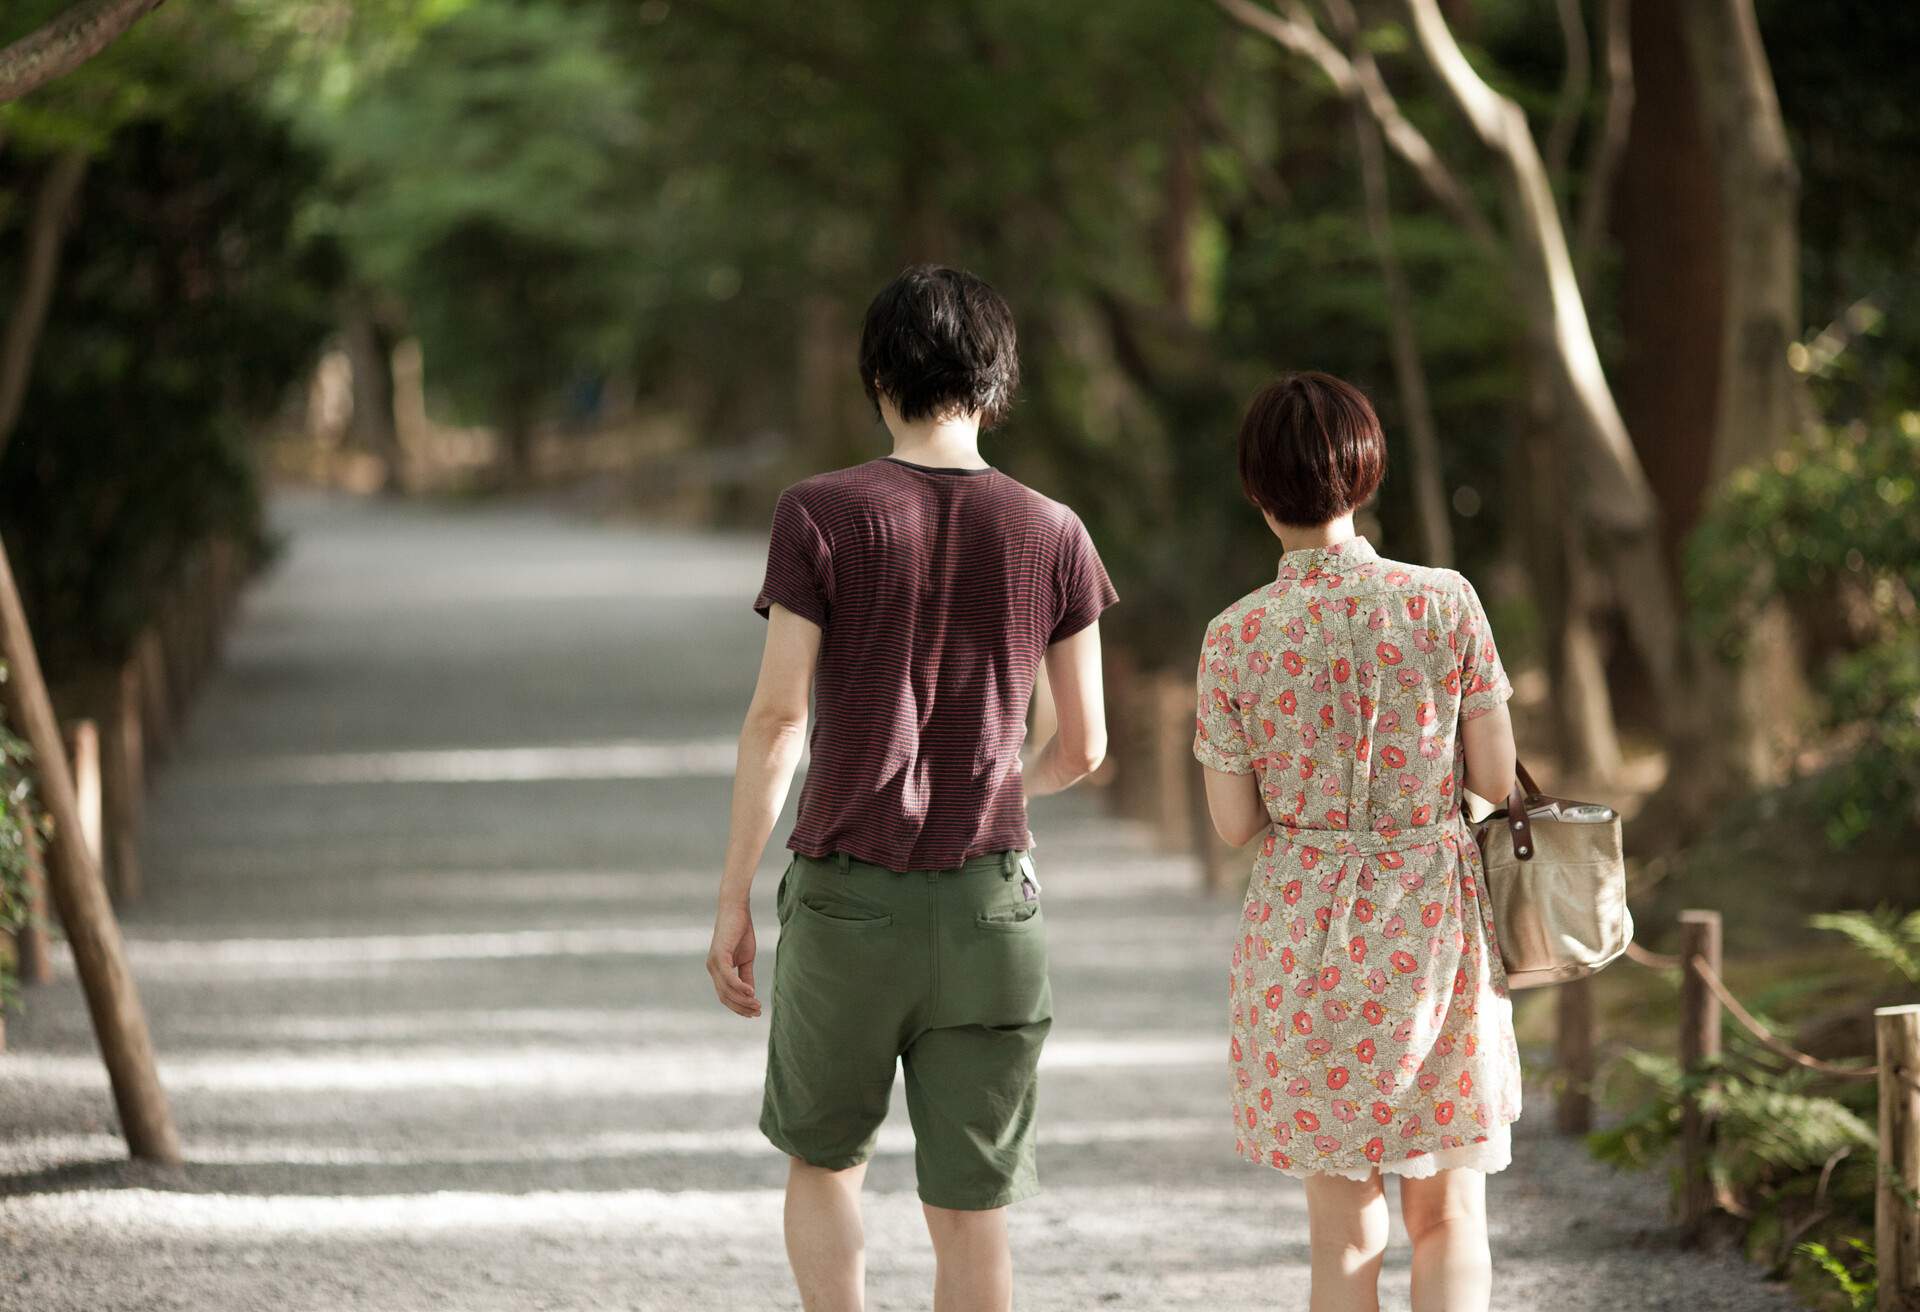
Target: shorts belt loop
{"x": 844, "y": 861}
{"x": 1009, "y": 865}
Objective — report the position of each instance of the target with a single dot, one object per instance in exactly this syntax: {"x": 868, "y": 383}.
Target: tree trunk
{"x": 46, "y": 233}
{"x": 1410, "y": 376}
{"x": 1761, "y": 401}
{"x": 1616, "y": 496}
{"x": 1667, "y": 218}
{"x": 67, "y": 42}
{"x": 369, "y": 344}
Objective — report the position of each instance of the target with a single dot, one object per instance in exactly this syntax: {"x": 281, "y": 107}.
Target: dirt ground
{"x": 430, "y": 882}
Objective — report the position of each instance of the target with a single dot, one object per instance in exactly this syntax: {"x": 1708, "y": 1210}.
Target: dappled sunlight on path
{"x": 430, "y": 882}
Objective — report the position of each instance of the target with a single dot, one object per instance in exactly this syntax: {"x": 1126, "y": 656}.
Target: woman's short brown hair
{"x": 1311, "y": 449}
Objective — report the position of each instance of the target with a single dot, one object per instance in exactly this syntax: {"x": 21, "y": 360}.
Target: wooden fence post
{"x": 1699, "y": 1046}
{"x": 1169, "y": 702}
{"x": 123, "y": 781}
{"x": 1573, "y": 1056}
{"x": 156, "y": 714}
{"x": 93, "y": 936}
{"x": 1896, "y": 1212}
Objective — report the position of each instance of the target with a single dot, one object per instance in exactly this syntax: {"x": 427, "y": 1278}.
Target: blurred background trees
{"x": 1622, "y": 277}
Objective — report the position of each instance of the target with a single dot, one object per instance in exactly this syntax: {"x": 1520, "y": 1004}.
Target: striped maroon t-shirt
{"x": 937, "y": 591}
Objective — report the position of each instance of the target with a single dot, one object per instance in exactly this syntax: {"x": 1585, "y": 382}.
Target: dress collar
{"x": 1340, "y": 555}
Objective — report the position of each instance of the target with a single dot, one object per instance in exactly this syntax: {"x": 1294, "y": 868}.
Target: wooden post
{"x": 1699, "y": 1046}
{"x": 1170, "y": 702}
{"x": 119, "y": 1021}
{"x": 1896, "y": 1230}
{"x": 156, "y": 713}
{"x": 1573, "y": 1056}
{"x": 82, "y": 739}
{"x": 123, "y": 781}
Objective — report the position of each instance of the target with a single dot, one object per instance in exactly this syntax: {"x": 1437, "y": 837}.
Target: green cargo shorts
{"x": 942, "y": 971}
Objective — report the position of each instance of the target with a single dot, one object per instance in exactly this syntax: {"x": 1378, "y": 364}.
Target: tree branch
{"x": 1295, "y": 31}
{"x": 1574, "y": 84}
{"x": 62, "y": 45}
{"x": 46, "y": 231}
{"x": 1604, "y": 162}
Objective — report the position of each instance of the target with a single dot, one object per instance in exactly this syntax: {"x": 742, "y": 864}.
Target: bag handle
{"x": 1523, "y": 791}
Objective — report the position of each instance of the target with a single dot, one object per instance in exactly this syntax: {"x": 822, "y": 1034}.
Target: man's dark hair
{"x": 1311, "y": 449}
{"x": 940, "y": 342}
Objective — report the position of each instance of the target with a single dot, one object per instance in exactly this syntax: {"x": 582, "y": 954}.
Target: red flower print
{"x": 1287, "y": 702}
{"x": 1388, "y": 654}
{"x": 1410, "y": 1127}
{"x": 1297, "y": 1087}
{"x": 1428, "y": 1080}
{"x": 1250, "y": 627}
{"x": 1258, "y": 662}
{"x": 1309, "y": 857}
{"x": 1302, "y": 1022}
{"x": 1404, "y": 963}
{"x": 1326, "y": 1143}
{"x": 1452, "y": 682}
{"x": 1266, "y": 848}
{"x": 1326, "y": 717}
{"x": 1329, "y": 977}
{"x": 1460, "y": 981}
{"x": 1280, "y": 1160}
{"x": 1364, "y": 1050}
{"x": 1286, "y": 960}
{"x": 1443, "y": 1113}
{"x": 1221, "y": 701}
{"x": 1290, "y": 662}
{"x": 1381, "y": 1113}
{"x": 1306, "y": 1120}
{"x": 1272, "y": 1063}
{"x": 1376, "y": 1149}
{"x": 1323, "y": 918}
{"x": 1430, "y": 914}
{"x": 1424, "y": 713}
{"x": 1391, "y": 860}
{"x": 1253, "y": 1118}
{"x": 1416, "y": 606}
{"x": 1336, "y": 819}
{"x": 1342, "y": 669}
{"x": 1392, "y": 756}
{"x": 1266, "y": 1100}
{"x": 1357, "y": 949}
{"x": 1362, "y": 910}
{"x": 1275, "y": 996}
{"x": 1267, "y": 727}
{"x": 1291, "y": 893}
{"x": 1337, "y": 1078}
{"x": 1422, "y": 814}
{"x": 1373, "y": 1012}
{"x": 1319, "y": 1047}
{"x": 1466, "y": 1083}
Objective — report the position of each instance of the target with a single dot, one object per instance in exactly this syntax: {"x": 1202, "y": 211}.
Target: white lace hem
{"x": 1496, "y": 1154}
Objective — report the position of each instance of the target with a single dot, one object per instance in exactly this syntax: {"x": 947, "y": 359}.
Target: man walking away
{"x": 913, "y": 598}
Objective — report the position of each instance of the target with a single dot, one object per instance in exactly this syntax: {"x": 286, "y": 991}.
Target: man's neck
{"x": 948, "y": 443}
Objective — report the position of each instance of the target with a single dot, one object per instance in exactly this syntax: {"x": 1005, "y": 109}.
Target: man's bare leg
{"x": 826, "y": 1244}
{"x": 973, "y": 1265}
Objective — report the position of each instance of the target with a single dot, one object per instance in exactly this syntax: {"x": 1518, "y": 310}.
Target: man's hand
{"x": 730, "y": 960}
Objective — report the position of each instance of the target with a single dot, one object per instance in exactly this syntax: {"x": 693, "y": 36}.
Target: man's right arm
{"x": 1079, "y": 742}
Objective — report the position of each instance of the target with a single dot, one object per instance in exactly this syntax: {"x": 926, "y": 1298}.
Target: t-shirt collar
{"x": 1354, "y": 551}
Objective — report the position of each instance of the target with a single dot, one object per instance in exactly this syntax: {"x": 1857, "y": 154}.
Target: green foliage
{"x": 1828, "y": 527}
{"x": 18, "y": 821}
{"x": 487, "y": 177}
{"x": 186, "y": 309}
{"x": 1861, "y": 1288}
{"x": 1885, "y": 935}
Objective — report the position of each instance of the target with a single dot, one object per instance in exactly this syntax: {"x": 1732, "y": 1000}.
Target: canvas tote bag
{"x": 1559, "y": 885}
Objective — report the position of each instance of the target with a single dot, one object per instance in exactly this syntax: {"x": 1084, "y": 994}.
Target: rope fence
{"x": 1703, "y": 995}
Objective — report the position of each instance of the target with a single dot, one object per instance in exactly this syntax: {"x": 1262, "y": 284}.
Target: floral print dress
{"x": 1370, "y": 1023}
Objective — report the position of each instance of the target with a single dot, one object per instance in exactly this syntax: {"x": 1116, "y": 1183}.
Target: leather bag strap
{"x": 1520, "y": 795}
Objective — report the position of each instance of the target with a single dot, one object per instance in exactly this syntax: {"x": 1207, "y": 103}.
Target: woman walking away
{"x": 1343, "y": 708}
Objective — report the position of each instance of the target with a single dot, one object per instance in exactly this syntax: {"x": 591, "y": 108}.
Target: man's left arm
{"x": 771, "y": 741}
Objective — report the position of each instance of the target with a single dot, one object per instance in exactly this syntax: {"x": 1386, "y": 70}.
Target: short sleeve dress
{"x": 1371, "y": 1028}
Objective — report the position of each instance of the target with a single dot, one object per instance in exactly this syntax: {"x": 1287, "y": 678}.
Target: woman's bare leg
{"x": 1446, "y": 1217}
{"x": 1347, "y": 1222}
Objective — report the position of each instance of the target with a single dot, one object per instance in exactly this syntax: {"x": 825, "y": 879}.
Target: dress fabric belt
{"x": 1366, "y": 842}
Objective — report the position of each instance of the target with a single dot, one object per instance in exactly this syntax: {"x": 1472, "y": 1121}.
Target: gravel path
{"x": 430, "y": 882}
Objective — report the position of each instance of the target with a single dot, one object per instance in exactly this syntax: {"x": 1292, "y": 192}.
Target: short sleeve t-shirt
{"x": 937, "y": 592}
